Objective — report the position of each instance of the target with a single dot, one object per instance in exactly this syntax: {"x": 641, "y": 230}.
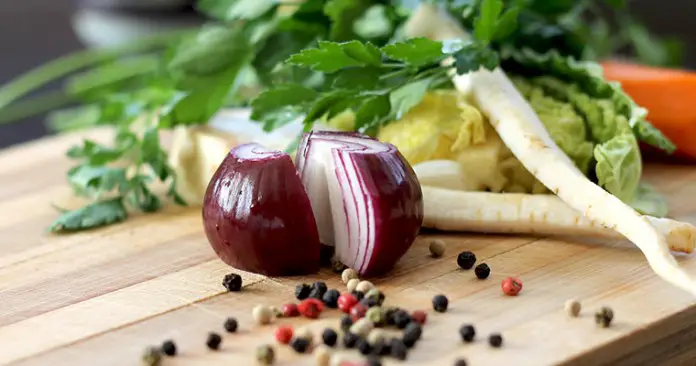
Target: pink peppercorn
{"x": 290, "y": 310}
{"x": 283, "y": 334}
{"x": 511, "y": 286}
{"x": 419, "y": 316}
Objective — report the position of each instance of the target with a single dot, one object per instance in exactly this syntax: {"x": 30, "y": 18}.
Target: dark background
{"x": 35, "y": 31}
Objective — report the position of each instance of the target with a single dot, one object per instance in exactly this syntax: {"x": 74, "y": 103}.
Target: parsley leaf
{"x": 372, "y": 111}
{"x": 485, "y": 23}
{"x": 408, "y": 96}
{"x": 343, "y": 14}
{"x": 280, "y": 105}
{"x": 236, "y": 9}
{"x": 331, "y": 56}
{"x": 93, "y": 215}
{"x": 416, "y": 51}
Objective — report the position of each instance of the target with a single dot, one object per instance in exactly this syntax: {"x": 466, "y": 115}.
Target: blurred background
{"x": 35, "y": 31}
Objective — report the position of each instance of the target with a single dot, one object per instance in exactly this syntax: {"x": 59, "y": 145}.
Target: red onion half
{"x": 365, "y": 196}
{"x": 257, "y": 216}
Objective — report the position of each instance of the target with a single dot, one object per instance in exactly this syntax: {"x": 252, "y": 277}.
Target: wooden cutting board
{"x": 101, "y": 297}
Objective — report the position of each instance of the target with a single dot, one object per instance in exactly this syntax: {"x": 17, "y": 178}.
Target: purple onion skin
{"x": 397, "y": 200}
{"x": 257, "y": 216}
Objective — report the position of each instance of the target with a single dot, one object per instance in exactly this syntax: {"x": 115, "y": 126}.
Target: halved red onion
{"x": 257, "y": 215}
{"x": 365, "y": 197}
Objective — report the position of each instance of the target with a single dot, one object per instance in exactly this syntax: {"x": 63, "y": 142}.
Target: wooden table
{"x": 101, "y": 297}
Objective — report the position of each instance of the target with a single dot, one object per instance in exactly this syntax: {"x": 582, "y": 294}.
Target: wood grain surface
{"x": 100, "y": 297}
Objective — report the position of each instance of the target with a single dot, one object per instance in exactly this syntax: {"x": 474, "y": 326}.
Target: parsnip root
{"x": 541, "y": 214}
{"x": 525, "y": 135}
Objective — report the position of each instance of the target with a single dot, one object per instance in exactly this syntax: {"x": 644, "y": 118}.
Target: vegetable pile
{"x": 485, "y": 95}
{"x": 350, "y": 192}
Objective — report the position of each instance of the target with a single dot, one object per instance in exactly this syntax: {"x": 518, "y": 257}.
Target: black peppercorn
{"x": 604, "y": 317}
{"x": 482, "y": 271}
{"x": 398, "y": 349}
{"x": 467, "y": 332}
{"x": 495, "y": 340}
{"x": 231, "y": 325}
{"x": 300, "y": 345}
{"x": 412, "y": 334}
{"x": 466, "y": 260}
{"x": 460, "y": 362}
{"x": 232, "y": 282}
{"x": 346, "y": 322}
{"x": 374, "y": 361}
{"x": 369, "y": 302}
{"x": 213, "y": 341}
{"x": 318, "y": 290}
{"x": 169, "y": 348}
{"x": 363, "y": 346}
{"x": 401, "y": 318}
{"x": 440, "y": 303}
{"x": 350, "y": 339}
{"x": 380, "y": 348}
{"x": 389, "y": 314}
{"x": 359, "y": 295}
{"x": 302, "y": 291}
{"x": 329, "y": 336}
{"x": 330, "y": 298}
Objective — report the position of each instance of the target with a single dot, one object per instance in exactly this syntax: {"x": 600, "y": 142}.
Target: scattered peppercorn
{"x": 305, "y": 333}
{"x": 376, "y": 295}
{"x": 346, "y": 302}
{"x": 365, "y": 286}
{"x": 329, "y": 336}
{"x": 318, "y": 290}
{"x": 390, "y": 314}
{"x": 419, "y": 316}
{"x": 362, "y": 327}
{"x": 348, "y": 274}
{"x": 349, "y": 340}
{"x": 290, "y": 310}
{"x": 277, "y": 313}
{"x": 265, "y": 354}
{"x": 152, "y": 356}
{"x": 604, "y": 316}
{"x": 283, "y": 334}
{"x": 369, "y": 302}
{"x": 230, "y": 325}
{"x": 358, "y": 295}
{"x": 466, "y": 259}
{"x": 440, "y": 303}
{"x": 358, "y": 311}
{"x": 213, "y": 341}
{"x": 401, "y": 318}
{"x": 310, "y": 308}
{"x": 511, "y": 286}
{"x": 232, "y": 282}
{"x": 495, "y": 340}
{"x": 262, "y": 314}
{"x": 398, "y": 349}
{"x": 460, "y": 362}
{"x": 346, "y": 322}
{"x": 412, "y": 334}
{"x": 482, "y": 271}
{"x": 322, "y": 355}
{"x": 330, "y": 298}
{"x": 352, "y": 284}
{"x": 573, "y": 307}
{"x": 373, "y": 360}
{"x": 337, "y": 266}
{"x": 467, "y": 332}
{"x": 437, "y": 248}
{"x": 363, "y": 346}
{"x": 376, "y": 316}
{"x": 375, "y": 336}
{"x": 302, "y": 291}
{"x": 300, "y": 345}
{"x": 381, "y": 348}
{"x": 169, "y": 348}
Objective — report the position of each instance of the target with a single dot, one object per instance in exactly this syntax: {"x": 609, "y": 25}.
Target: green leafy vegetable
{"x": 331, "y": 57}
{"x": 93, "y": 215}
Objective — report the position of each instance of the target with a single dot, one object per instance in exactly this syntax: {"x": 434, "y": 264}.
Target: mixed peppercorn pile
{"x": 367, "y": 326}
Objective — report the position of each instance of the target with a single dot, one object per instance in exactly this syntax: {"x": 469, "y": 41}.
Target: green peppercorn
{"x": 376, "y": 315}
{"x": 152, "y": 357}
{"x": 437, "y": 248}
{"x": 265, "y": 354}
{"x": 604, "y": 317}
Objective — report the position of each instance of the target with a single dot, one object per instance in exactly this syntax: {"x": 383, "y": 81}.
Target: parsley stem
{"x": 395, "y": 73}
{"x": 34, "y": 106}
{"x": 68, "y": 64}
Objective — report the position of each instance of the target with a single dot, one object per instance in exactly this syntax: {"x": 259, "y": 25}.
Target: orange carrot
{"x": 669, "y": 95}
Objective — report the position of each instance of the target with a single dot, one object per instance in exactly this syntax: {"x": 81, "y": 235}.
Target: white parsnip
{"x": 525, "y": 135}
{"x": 540, "y": 214}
